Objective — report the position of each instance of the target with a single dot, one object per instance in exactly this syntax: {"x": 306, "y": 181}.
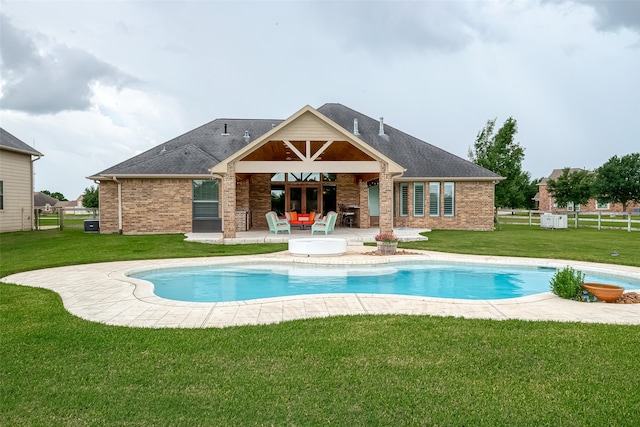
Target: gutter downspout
{"x": 33, "y": 190}
{"x": 119, "y": 204}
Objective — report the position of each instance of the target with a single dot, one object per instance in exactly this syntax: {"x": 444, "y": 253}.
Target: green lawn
{"x": 56, "y": 369}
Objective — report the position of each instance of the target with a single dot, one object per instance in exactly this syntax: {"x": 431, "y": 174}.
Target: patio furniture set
{"x": 318, "y": 223}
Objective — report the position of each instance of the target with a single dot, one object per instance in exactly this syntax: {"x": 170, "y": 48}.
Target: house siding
{"x": 16, "y": 173}
{"x": 148, "y": 206}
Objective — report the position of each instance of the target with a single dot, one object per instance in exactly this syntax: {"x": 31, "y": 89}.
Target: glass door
{"x": 303, "y": 199}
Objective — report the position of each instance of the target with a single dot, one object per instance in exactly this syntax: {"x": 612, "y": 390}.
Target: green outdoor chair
{"x": 326, "y": 226}
{"x": 276, "y": 224}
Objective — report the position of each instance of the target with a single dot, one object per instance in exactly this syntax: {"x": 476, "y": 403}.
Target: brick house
{"x": 16, "y": 183}
{"x": 225, "y": 175}
{"x": 547, "y": 203}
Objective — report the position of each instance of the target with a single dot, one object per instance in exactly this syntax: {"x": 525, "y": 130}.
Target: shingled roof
{"x": 195, "y": 152}
{"x": 11, "y": 143}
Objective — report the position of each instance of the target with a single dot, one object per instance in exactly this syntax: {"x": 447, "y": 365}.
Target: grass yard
{"x": 56, "y": 369}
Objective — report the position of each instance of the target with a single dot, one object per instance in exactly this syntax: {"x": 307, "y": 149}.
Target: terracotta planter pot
{"x": 387, "y": 248}
{"x": 608, "y": 293}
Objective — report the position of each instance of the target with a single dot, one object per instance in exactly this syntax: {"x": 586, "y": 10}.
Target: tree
{"x": 500, "y": 154}
{"x": 90, "y": 197}
{"x": 530, "y": 192}
{"x": 618, "y": 180}
{"x": 573, "y": 186}
{"x": 55, "y": 195}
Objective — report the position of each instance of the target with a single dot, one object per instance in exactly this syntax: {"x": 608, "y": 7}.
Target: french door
{"x": 304, "y": 199}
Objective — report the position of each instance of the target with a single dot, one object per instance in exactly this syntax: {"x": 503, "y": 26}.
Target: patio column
{"x": 386, "y": 199}
{"x": 229, "y": 202}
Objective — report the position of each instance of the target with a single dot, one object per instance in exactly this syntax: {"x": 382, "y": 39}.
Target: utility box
{"x": 556, "y": 222}
{"x": 91, "y": 226}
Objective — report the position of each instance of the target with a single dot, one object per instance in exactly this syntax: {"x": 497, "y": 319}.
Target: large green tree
{"x": 90, "y": 197}
{"x": 573, "y": 186}
{"x": 500, "y": 154}
{"x": 618, "y": 180}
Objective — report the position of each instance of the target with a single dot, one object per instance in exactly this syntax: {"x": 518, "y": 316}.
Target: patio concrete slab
{"x": 104, "y": 293}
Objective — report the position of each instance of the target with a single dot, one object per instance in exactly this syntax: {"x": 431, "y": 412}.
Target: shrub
{"x": 568, "y": 283}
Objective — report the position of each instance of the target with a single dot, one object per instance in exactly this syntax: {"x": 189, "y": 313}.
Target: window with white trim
{"x": 449, "y": 199}
{"x": 571, "y": 207}
{"x": 434, "y": 199}
{"x": 604, "y": 206}
{"x": 404, "y": 199}
{"x": 418, "y": 199}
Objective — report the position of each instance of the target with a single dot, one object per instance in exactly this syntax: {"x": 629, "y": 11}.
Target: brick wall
{"x": 473, "y": 208}
{"x": 148, "y": 206}
{"x": 260, "y": 199}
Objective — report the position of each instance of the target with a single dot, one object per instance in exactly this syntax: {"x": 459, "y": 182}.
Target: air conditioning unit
{"x": 91, "y": 226}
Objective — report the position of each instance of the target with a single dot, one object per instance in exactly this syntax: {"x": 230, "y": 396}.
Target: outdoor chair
{"x": 276, "y": 224}
{"x": 327, "y": 225}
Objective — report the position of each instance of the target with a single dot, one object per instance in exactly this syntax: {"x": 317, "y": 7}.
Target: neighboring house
{"x": 16, "y": 183}
{"x": 225, "y": 175}
{"x": 547, "y": 203}
{"x": 44, "y": 203}
{"x": 74, "y": 207}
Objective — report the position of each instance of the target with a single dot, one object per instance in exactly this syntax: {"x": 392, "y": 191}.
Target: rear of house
{"x": 225, "y": 175}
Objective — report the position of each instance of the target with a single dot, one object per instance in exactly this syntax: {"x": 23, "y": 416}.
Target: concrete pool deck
{"x": 104, "y": 293}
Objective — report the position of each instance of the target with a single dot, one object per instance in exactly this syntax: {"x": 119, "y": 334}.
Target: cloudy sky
{"x": 92, "y": 83}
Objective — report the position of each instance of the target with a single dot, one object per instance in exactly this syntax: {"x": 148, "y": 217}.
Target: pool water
{"x": 247, "y": 282}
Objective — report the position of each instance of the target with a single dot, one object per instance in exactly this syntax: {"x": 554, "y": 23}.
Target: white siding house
{"x": 16, "y": 183}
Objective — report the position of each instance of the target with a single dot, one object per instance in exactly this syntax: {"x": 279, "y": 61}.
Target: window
{"x": 434, "y": 199}
{"x": 404, "y": 199}
{"x": 205, "y": 199}
{"x": 418, "y": 199}
{"x": 603, "y": 205}
{"x": 571, "y": 207}
{"x": 449, "y": 199}
{"x": 303, "y": 177}
{"x": 1, "y": 195}
{"x": 278, "y": 197}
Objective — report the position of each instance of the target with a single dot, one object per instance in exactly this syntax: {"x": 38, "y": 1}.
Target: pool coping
{"x": 103, "y": 293}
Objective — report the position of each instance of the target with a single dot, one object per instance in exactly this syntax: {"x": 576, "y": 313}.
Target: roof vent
{"x": 225, "y": 130}
{"x": 164, "y": 150}
{"x": 247, "y": 137}
{"x": 381, "y": 131}
{"x": 355, "y": 127}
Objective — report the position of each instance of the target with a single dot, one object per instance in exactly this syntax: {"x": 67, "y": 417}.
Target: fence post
{"x": 629, "y": 223}
{"x": 599, "y": 219}
{"x": 530, "y": 215}
{"x": 576, "y": 222}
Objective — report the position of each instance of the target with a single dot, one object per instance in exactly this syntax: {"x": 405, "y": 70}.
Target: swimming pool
{"x": 243, "y": 282}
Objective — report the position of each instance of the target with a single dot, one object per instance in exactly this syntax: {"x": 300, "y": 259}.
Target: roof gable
{"x": 11, "y": 143}
{"x": 307, "y": 124}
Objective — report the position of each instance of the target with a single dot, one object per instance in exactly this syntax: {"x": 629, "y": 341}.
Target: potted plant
{"x": 608, "y": 293}
{"x": 387, "y": 243}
